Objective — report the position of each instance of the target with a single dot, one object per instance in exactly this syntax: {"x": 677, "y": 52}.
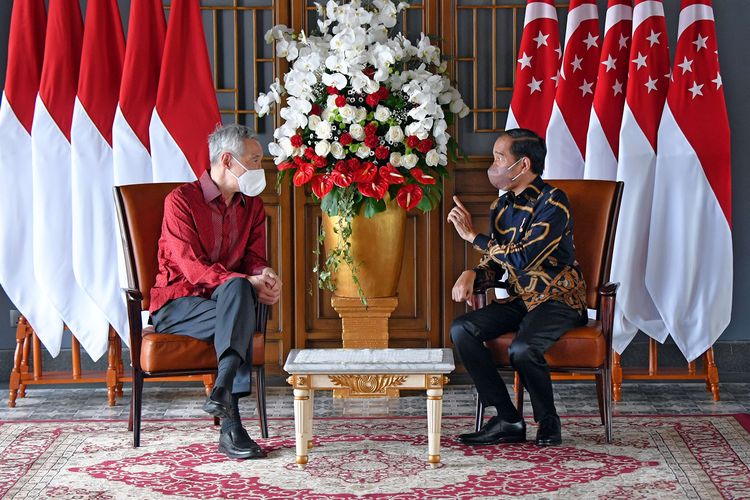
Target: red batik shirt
{"x": 204, "y": 242}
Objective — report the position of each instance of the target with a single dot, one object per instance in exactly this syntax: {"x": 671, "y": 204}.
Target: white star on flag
{"x": 696, "y": 89}
{"x": 617, "y": 87}
{"x": 541, "y": 39}
{"x": 586, "y": 88}
{"x": 576, "y": 63}
{"x": 686, "y": 65}
{"x": 590, "y": 41}
{"x": 653, "y": 39}
{"x": 556, "y": 78}
{"x": 559, "y": 52}
{"x": 640, "y": 61}
{"x": 650, "y": 84}
{"x": 535, "y": 85}
{"x": 610, "y": 62}
{"x": 717, "y": 81}
{"x": 624, "y": 41}
{"x": 700, "y": 42}
{"x": 525, "y": 61}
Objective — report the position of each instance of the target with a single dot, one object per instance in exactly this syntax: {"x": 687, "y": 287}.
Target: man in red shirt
{"x": 213, "y": 271}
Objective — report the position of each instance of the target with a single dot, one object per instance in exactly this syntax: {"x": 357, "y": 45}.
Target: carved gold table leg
{"x": 310, "y": 425}
{"x": 302, "y": 423}
{"x": 434, "y": 421}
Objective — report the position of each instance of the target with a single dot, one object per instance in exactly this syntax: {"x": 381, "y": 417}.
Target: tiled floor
{"x": 180, "y": 401}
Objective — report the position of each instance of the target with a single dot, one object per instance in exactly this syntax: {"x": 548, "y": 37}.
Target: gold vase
{"x": 377, "y": 246}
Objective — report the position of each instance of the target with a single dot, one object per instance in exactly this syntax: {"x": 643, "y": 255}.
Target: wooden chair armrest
{"x": 134, "y": 299}
{"x": 480, "y": 292}
{"x": 608, "y": 294}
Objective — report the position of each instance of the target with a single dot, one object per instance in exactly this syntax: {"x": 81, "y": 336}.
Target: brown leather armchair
{"x": 140, "y": 210}
{"x": 595, "y": 206}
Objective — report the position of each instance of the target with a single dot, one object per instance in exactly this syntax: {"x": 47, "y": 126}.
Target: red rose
{"x": 309, "y": 153}
{"x": 376, "y": 188}
{"x": 366, "y": 172}
{"x": 412, "y": 141}
{"x": 409, "y": 196}
{"x": 321, "y": 185}
{"x": 353, "y": 164}
{"x": 303, "y": 174}
{"x": 316, "y": 110}
{"x": 296, "y": 140}
{"x": 341, "y": 166}
{"x": 372, "y": 100}
{"x": 345, "y": 139}
{"x": 320, "y": 161}
{"x": 391, "y": 174}
{"x": 332, "y": 90}
{"x": 424, "y": 146}
{"x": 341, "y": 101}
{"x": 383, "y": 92}
{"x": 382, "y": 152}
{"x": 421, "y": 177}
{"x": 371, "y": 141}
{"x": 369, "y": 71}
{"x": 371, "y": 128}
{"x": 286, "y": 166}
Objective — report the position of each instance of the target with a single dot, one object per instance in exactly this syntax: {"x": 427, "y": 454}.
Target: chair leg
{"x": 608, "y": 403}
{"x": 260, "y": 395}
{"x": 479, "y": 415}
{"x": 518, "y": 389}
{"x": 137, "y": 399}
{"x": 130, "y": 416}
{"x": 600, "y": 395}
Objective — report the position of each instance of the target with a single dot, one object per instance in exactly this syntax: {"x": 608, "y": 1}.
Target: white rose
{"x": 464, "y": 111}
{"x": 326, "y": 114}
{"x": 357, "y": 131}
{"x": 360, "y": 114}
{"x": 382, "y": 113}
{"x": 409, "y": 161}
{"x": 432, "y": 158}
{"x": 394, "y": 134}
{"x": 322, "y": 148}
{"x": 313, "y": 121}
{"x": 456, "y": 106}
{"x": 347, "y": 113}
{"x": 363, "y": 151}
{"x": 395, "y": 159}
{"x": 331, "y": 102}
{"x": 323, "y": 130}
{"x": 372, "y": 86}
{"x": 337, "y": 150}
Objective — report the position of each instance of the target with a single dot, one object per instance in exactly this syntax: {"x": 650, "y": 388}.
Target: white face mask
{"x": 252, "y": 182}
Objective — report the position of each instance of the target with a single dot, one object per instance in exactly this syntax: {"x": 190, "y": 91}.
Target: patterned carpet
{"x": 652, "y": 456}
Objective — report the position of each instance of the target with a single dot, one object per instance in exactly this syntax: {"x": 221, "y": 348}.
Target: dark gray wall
{"x": 731, "y": 22}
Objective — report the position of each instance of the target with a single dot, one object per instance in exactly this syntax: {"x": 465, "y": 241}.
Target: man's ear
{"x": 225, "y": 159}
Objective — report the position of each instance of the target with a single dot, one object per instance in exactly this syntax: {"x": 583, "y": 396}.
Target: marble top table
{"x": 367, "y": 373}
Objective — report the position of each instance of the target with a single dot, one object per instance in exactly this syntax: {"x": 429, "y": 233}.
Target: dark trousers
{"x": 536, "y": 331}
{"x": 227, "y": 318}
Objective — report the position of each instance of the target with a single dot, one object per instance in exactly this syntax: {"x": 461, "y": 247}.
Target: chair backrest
{"x": 595, "y": 206}
{"x": 140, "y": 210}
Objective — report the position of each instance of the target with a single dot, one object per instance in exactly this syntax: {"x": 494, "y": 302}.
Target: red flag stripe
{"x": 25, "y": 55}
{"x": 62, "y": 60}
{"x": 101, "y": 64}
{"x": 694, "y": 13}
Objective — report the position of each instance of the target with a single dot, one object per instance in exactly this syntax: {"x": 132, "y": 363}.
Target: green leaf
{"x": 373, "y": 206}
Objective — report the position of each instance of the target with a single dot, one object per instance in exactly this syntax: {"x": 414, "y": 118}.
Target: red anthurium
{"x": 296, "y": 140}
{"x": 372, "y": 100}
{"x": 375, "y": 188}
{"x": 353, "y": 164}
{"x": 285, "y": 166}
{"x": 366, "y": 172}
{"x": 303, "y": 174}
{"x": 382, "y": 152}
{"x": 322, "y": 185}
{"x": 424, "y": 146}
{"x": 309, "y": 153}
{"x": 341, "y": 101}
{"x": 371, "y": 129}
{"x": 412, "y": 141}
{"x": 409, "y": 196}
{"x": 332, "y": 90}
{"x": 371, "y": 141}
{"x": 345, "y": 139}
{"x": 299, "y": 160}
{"x": 423, "y": 178}
{"x": 341, "y": 178}
{"x": 391, "y": 174}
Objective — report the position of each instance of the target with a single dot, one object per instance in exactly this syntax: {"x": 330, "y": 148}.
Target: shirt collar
{"x": 211, "y": 191}
{"x": 533, "y": 190}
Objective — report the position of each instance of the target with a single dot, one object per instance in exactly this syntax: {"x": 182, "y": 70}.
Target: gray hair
{"x": 228, "y": 138}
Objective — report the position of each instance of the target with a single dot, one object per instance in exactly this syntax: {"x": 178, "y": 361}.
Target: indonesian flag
{"x": 689, "y": 272}
{"x": 25, "y": 52}
{"x": 537, "y": 70}
{"x": 95, "y": 237}
{"x": 186, "y": 108}
{"x": 569, "y": 122}
{"x": 51, "y": 166}
{"x": 648, "y": 80}
{"x": 603, "y": 139}
{"x": 140, "y": 81}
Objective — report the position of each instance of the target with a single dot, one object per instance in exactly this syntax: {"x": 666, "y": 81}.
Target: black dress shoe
{"x": 219, "y": 403}
{"x": 235, "y": 443}
{"x": 496, "y": 431}
{"x": 549, "y": 432}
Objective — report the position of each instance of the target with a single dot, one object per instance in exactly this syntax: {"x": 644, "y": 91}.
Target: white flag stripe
{"x": 95, "y": 262}
{"x": 617, "y": 13}
{"x": 644, "y": 10}
{"x": 53, "y": 260}
{"x": 539, "y": 10}
{"x": 697, "y": 315}
{"x": 16, "y": 221}
{"x": 578, "y": 15}
{"x": 511, "y": 122}
{"x": 564, "y": 160}
{"x": 132, "y": 162}
{"x": 168, "y": 160}
{"x": 601, "y": 162}
{"x": 692, "y": 14}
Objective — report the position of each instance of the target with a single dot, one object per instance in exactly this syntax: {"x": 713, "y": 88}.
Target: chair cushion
{"x": 582, "y": 347}
{"x": 173, "y": 352}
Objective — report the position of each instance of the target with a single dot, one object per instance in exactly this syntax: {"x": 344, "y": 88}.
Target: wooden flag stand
{"x": 709, "y": 373}
{"x": 27, "y": 343}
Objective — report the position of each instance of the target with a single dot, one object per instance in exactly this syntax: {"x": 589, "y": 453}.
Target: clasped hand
{"x": 267, "y": 286}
